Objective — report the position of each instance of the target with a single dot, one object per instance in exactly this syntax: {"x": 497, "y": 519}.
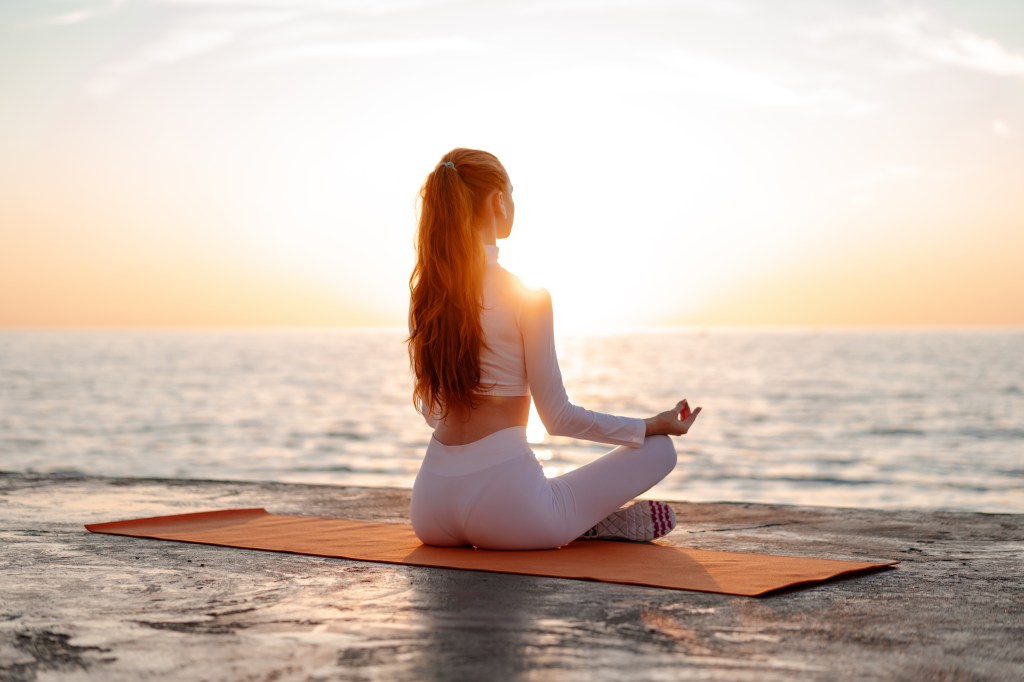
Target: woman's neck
{"x": 488, "y": 233}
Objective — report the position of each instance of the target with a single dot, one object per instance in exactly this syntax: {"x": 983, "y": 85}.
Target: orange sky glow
{"x": 713, "y": 162}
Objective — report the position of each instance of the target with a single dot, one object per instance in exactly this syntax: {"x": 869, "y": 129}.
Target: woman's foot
{"x": 641, "y": 521}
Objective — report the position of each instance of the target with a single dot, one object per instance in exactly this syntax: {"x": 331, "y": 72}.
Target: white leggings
{"x": 492, "y": 493}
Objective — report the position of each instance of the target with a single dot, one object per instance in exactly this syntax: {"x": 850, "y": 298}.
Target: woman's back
{"x": 492, "y": 413}
{"x": 505, "y": 397}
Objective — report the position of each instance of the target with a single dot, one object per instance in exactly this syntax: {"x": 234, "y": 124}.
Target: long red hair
{"x": 446, "y": 285}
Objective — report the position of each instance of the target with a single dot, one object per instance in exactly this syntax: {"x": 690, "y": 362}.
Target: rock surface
{"x": 74, "y": 605}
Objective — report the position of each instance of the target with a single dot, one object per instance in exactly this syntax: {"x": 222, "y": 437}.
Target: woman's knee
{"x": 662, "y": 450}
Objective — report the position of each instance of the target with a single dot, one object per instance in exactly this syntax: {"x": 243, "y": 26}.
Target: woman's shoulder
{"x": 529, "y": 296}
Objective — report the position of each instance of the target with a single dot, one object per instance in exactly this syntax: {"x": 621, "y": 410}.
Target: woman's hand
{"x": 675, "y": 422}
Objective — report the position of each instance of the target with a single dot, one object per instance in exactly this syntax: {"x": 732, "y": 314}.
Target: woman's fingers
{"x": 678, "y": 421}
{"x": 688, "y": 422}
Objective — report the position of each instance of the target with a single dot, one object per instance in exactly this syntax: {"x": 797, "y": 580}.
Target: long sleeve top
{"x": 520, "y": 359}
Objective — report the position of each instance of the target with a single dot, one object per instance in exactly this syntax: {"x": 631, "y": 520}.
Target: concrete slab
{"x": 74, "y": 605}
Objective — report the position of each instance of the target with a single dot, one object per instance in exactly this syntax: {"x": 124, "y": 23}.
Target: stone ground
{"x": 74, "y": 605}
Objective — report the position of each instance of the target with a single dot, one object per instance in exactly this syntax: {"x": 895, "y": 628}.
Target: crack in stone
{"x": 195, "y": 627}
{"x": 719, "y": 530}
{"x": 50, "y": 651}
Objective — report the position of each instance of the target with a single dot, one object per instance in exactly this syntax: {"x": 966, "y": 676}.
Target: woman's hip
{"x": 480, "y": 455}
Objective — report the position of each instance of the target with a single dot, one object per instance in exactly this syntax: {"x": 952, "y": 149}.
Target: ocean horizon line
{"x": 585, "y": 331}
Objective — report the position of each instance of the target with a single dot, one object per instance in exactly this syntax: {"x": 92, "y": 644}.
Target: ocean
{"x": 881, "y": 418}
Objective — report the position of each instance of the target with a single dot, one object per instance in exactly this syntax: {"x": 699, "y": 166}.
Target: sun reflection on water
{"x": 535, "y": 431}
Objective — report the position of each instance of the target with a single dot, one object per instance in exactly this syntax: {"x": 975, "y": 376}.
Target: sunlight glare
{"x": 535, "y": 431}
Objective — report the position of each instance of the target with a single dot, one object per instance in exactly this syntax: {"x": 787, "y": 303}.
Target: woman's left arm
{"x": 561, "y": 417}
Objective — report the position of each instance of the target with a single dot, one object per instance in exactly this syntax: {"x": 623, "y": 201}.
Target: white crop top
{"x": 520, "y": 359}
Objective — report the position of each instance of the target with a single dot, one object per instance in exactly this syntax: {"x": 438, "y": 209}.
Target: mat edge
{"x": 246, "y": 511}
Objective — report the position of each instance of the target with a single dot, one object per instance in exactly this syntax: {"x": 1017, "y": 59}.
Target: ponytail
{"x": 446, "y": 285}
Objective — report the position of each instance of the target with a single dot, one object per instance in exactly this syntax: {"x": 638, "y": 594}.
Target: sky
{"x": 701, "y": 162}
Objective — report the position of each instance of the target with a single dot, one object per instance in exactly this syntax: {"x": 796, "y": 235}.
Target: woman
{"x": 480, "y": 344}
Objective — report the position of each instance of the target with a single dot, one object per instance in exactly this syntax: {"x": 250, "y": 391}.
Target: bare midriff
{"x": 492, "y": 413}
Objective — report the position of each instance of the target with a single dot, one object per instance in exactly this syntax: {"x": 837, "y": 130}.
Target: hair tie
{"x": 450, "y": 165}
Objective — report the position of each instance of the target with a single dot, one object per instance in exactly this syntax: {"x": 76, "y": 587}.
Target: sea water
{"x": 867, "y": 418}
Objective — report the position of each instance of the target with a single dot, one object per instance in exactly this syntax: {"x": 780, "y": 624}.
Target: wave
{"x": 894, "y": 431}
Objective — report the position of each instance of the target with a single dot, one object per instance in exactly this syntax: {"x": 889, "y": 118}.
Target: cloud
{"x": 924, "y": 41}
{"x": 368, "y": 49}
{"x": 363, "y": 7}
{"x": 925, "y": 35}
{"x": 86, "y": 13}
{"x": 731, "y": 8}
{"x": 201, "y": 35}
{"x": 1001, "y": 128}
{"x": 756, "y": 87}
{"x": 267, "y": 31}
{"x": 173, "y": 46}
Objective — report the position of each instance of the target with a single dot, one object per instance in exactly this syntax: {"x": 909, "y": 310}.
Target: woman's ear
{"x": 499, "y": 198}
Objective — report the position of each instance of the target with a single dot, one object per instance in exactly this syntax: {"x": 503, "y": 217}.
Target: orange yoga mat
{"x": 652, "y": 564}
